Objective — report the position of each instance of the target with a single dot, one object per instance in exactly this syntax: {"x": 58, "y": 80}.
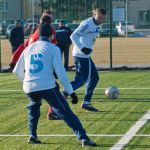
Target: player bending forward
{"x": 35, "y": 68}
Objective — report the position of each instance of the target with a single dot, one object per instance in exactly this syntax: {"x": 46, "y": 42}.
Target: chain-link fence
{"x": 130, "y": 27}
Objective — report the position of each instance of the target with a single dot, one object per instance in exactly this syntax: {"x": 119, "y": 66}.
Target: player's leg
{"x": 66, "y": 57}
{"x": 33, "y": 116}
{"x": 62, "y": 109}
{"x": 82, "y": 72}
{"x": 61, "y": 50}
{"x": 51, "y": 115}
{"x": 90, "y": 86}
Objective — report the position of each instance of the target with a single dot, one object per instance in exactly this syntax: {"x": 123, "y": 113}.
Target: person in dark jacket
{"x": 64, "y": 42}
{"x": 16, "y": 36}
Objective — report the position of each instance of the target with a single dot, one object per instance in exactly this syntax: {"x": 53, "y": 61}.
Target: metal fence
{"x": 130, "y": 18}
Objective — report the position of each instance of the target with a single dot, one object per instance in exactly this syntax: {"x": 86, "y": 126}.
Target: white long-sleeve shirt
{"x": 36, "y": 65}
{"x": 84, "y": 36}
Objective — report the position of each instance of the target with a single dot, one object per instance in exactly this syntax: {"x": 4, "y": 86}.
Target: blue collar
{"x": 42, "y": 38}
{"x": 95, "y": 21}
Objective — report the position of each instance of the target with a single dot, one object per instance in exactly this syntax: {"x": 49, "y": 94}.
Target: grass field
{"x": 126, "y": 51}
{"x": 116, "y": 117}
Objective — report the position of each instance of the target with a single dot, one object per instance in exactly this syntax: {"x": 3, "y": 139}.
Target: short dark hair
{"x": 62, "y": 21}
{"x": 48, "y": 12}
{"x": 101, "y": 10}
{"x": 17, "y": 22}
{"x": 45, "y": 30}
{"x": 46, "y": 19}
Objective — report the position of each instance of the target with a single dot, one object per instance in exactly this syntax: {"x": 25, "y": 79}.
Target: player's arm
{"x": 17, "y": 54}
{"x": 81, "y": 30}
{"x": 54, "y": 41}
{"x": 19, "y": 68}
{"x": 60, "y": 71}
{"x": 62, "y": 75}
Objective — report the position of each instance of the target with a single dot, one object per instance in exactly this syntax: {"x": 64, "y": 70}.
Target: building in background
{"x": 18, "y": 9}
{"x": 3, "y": 9}
{"x": 138, "y": 11}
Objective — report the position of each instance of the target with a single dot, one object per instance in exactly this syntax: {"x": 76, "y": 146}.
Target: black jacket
{"x": 16, "y": 36}
{"x": 63, "y": 36}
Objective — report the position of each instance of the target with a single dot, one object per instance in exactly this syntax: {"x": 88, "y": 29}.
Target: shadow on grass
{"x": 74, "y": 144}
{"x": 122, "y": 112}
{"x": 112, "y": 112}
{"x": 138, "y": 146}
{"x": 125, "y": 99}
{"x": 57, "y": 143}
{"x": 120, "y": 99}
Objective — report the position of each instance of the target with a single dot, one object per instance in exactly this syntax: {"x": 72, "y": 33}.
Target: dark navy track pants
{"x": 60, "y": 107}
{"x": 86, "y": 73}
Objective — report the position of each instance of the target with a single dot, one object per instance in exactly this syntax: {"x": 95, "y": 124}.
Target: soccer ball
{"x": 112, "y": 92}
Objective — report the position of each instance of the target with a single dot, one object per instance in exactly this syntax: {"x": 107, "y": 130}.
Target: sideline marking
{"x": 131, "y": 132}
{"x": 81, "y": 89}
{"x": 71, "y": 135}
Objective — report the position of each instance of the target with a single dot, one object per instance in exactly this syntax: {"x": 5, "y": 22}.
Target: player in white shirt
{"x": 35, "y": 68}
{"x": 83, "y": 39}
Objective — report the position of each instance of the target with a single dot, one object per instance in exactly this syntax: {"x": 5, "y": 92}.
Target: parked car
{"x": 122, "y": 26}
{"x": 66, "y": 21}
{"x": 9, "y": 21}
{"x": 8, "y": 30}
{"x": 28, "y": 21}
{"x": 72, "y": 26}
{"x": 4, "y": 25}
{"x": 104, "y": 30}
{"x": 2, "y": 29}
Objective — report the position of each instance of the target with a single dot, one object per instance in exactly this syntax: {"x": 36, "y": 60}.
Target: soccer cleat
{"x": 89, "y": 107}
{"x": 53, "y": 116}
{"x": 33, "y": 140}
{"x": 88, "y": 143}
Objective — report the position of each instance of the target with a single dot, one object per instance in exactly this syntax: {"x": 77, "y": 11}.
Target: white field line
{"x": 132, "y": 132}
{"x": 11, "y": 90}
{"x": 143, "y": 135}
{"x": 82, "y": 89}
{"x": 71, "y": 135}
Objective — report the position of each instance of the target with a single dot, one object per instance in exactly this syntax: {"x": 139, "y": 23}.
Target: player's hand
{"x": 86, "y": 50}
{"x": 74, "y": 98}
{"x": 12, "y": 65}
